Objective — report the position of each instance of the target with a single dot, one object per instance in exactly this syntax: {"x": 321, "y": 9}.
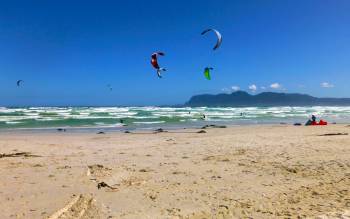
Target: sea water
{"x": 155, "y": 117}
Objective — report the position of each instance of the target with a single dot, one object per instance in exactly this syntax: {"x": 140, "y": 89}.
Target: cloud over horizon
{"x": 327, "y": 85}
{"x": 231, "y": 89}
{"x": 235, "y": 88}
{"x": 252, "y": 88}
{"x": 275, "y": 86}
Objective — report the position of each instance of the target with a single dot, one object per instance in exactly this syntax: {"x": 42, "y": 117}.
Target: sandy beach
{"x": 278, "y": 171}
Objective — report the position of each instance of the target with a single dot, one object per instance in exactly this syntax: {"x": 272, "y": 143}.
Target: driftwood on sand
{"x": 19, "y": 154}
{"x": 103, "y": 184}
{"x": 333, "y": 134}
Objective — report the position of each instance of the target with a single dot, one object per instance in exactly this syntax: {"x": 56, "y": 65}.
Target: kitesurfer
{"x": 154, "y": 62}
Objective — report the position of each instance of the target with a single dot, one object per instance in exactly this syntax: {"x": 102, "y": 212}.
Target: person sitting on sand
{"x": 312, "y": 121}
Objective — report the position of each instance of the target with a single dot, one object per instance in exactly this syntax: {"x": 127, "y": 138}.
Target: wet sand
{"x": 276, "y": 171}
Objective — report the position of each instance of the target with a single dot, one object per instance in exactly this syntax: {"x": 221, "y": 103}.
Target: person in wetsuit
{"x": 312, "y": 121}
{"x": 313, "y": 118}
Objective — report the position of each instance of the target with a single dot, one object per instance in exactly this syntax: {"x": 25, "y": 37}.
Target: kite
{"x": 19, "y": 82}
{"x": 218, "y": 35}
{"x": 207, "y": 72}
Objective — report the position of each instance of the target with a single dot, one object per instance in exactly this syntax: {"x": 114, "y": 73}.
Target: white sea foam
{"x": 153, "y": 122}
{"x": 10, "y": 117}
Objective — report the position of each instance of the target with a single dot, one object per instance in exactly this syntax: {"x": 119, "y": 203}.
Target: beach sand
{"x": 265, "y": 171}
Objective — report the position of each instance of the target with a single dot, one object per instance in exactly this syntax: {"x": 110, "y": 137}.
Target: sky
{"x": 67, "y": 52}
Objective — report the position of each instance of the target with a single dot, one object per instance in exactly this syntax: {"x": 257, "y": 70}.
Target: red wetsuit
{"x": 154, "y": 61}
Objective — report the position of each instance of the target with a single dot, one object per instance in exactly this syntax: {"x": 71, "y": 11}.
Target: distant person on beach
{"x": 122, "y": 122}
{"x": 312, "y": 121}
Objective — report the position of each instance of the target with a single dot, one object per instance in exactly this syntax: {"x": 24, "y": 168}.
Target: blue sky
{"x": 68, "y": 51}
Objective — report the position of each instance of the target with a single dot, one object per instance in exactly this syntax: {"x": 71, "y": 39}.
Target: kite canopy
{"x": 19, "y": 82}
{"x": 154, "y": 62}
{"x": 207, "y": 72}
{"x": 218, "y": 35}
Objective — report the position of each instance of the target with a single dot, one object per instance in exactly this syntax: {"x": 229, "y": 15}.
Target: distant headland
{"x": 268, "y": 99}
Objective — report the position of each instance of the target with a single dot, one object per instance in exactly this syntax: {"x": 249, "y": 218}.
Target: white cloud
{"x": 235, "y": 88}
{"x": 252, "y": 88}
{"x": 230, "y": 89}
{"x": 263, "y": 88}
{"x": 276, "y": 86}
{"x": 326, "y": 85}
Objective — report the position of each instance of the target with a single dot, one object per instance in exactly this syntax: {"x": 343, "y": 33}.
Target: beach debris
{"x": 333, "y": 134}
{"x": 103, "y": 184}
{"x": 223, "y": 206}
{"x": 100, "y": 133}
{"x": 127, "y": 132}
{"x": 201, "y": 131}
{"x": 38, "y": 165}
{"x": 153, "y": 197}
{"x": 159, "y": 130}
{"x": 154, "y": 62}
{"x": 207, "y": 72}
{"x": 178, "y": 172}
{"x": 19, "y": 83}
{"x": 64, "y": 167}
{"x": 297, "y": 124}
{"x": 61, "y": 130}
{"x": 19, "y": 154}
{"x": 145, "y": 170}
{"x": 218, "y": 35}
{"x": 214, "y": 126}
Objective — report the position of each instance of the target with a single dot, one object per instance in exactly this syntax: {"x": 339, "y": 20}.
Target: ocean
{"x": 160, "y": 117}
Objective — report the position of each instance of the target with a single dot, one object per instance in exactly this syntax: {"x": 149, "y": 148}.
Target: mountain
{"x": 241, "y": 98}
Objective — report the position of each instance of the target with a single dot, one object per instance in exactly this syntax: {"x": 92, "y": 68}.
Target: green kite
{"x": 207, "y": 72}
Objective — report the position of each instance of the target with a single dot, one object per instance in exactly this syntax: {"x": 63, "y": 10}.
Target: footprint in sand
{"x": 115, "y": 177}
{"x": 80, "y": 207}
{"x": 98, "y": 171}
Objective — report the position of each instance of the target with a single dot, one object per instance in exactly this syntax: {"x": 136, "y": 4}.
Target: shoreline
{"x": 259, "y": 171}
{"x": 111, "y": 129}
